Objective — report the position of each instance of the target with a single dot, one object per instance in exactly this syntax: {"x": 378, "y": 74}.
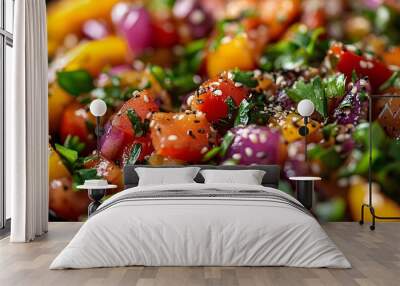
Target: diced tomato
{"x": 212, "y": 95}
{"x": 106, "y": 169}
{"x": 120, "y": 134}
{"x": 164, "y": 33}
{"x": 65, "y": 202}
{"x": 278, "y": 15}
{"x": 376, "y": 71}
{"x": 142, "y": 103}
{"x": 180, "y": 136}
{"x": 146, "y": 149}
{"x": 76, "y": 120}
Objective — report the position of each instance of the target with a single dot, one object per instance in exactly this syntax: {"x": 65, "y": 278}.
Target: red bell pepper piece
{"x": 376, "y": 71}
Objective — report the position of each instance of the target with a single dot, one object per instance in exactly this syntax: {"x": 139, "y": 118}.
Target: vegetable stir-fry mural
{"x": 218, "y": 82}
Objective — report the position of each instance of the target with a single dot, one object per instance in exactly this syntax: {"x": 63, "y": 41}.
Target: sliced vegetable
{"x": 134, "y": 24}
{"x": 75, "y": 82}
{"x": 77, "y": 121}
{"x": 256, "y": 145}
{"x": 211, "y": 97}
{"x": 354, "y": 106}
{"x": 180, "y": 136}
{"x": 376, "y": 71}
{"x": 232, "y": 53}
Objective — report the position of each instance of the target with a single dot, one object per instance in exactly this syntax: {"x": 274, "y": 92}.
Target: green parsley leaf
{"x": 136, "y": 150}
{"x": 226, "y": 143}
{"x": 335, "y": 86}
{"x": 74, "y": 143}
{"x": 313, "y": 91}
{"x": 68, "y": 154}
{"x": 245, "y": 77}
{"x": 75, "y": 82}
{"x": 243, "y": 116}
{"x": 220, "y": 150}
{"x": 136, "y": 123}
{"x": 231, "y": 107}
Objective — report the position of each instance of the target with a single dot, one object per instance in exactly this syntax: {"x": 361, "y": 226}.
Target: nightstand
{"x": 97, "y": 189}
{"x": 305, "y": 190}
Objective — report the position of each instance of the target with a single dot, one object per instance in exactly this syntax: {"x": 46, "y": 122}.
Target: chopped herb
{"x": 335, "y": 85}
{"x": 75, "y": 82}
{"x": 226, "y": 143}
{"x": 245, "y": 77}
{"x": 136, "y": 123}
{"x": 134, "y": 156}
{"x": 220, "y": 150}
{"x": 243, "y": 115}
{"x": 68, "y": 154}
{"x": 303, "y": 49}
{"x": 74, "y": 143}
{"x": 231, "y": 107}
{"x": 393, "y": 81}
{"x": 319, "y": 91}
{"x": 313, "y": 91}
{"x": 211, "y": 154}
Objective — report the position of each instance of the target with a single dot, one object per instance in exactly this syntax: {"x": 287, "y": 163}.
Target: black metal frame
{"x": 370, "y": 203}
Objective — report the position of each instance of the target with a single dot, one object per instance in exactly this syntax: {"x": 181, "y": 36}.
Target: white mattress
{"x": 203, "y": 231}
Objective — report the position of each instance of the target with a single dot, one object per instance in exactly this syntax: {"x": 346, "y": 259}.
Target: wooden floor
{"x": 375, "y": 257}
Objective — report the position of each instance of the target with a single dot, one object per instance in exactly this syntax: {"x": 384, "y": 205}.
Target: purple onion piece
{"x": 134, "y": 24}
{"x": 95, "y": 30}
{"x": 284, "y": 100}
{"x": 372, "y": 4}
{"x": 255, "y": 145}
{"x": 112, "y": 142}
{"x": 199, "y": 21}
{"x": 354, "y": 105}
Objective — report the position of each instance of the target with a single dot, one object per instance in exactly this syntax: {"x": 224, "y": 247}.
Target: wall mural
{"x": 218, "y": 82}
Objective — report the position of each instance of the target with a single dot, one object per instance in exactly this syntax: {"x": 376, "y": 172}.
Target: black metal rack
{"x": 370, "y": 202}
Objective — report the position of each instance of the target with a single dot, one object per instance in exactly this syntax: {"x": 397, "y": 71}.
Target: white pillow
{"x": 164, "y": 176}
{"x": 248, "y": 177}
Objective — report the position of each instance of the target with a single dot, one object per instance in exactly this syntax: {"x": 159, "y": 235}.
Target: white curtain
{"x": 27, "y": 124}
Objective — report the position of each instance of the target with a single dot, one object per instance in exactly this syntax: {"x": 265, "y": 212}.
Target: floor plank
{"x": 375, "y": 257}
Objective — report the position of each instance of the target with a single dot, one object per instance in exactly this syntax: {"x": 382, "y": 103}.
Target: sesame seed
{"x": 217, "y": 92}
{"x": 253, "y": 138}
{"x": 145, "y": 98}
{"x": 263, "y": 137}
{"x": 204, "y": 150}
{"x": 237, "y": 156}
{"x": 189, "y": 100}
{"x": 197, "y": 17}
{"x": 260, "y": 154}
{"x": 238, "y": 84}
{"x": 152, "y": 123}
{"x": 363, "y": 64}
{"x": 248, "y": 151}
{"x": 172, "y": 137}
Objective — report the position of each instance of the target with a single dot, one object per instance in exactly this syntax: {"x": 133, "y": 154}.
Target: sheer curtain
{"x": 27, "y": 124}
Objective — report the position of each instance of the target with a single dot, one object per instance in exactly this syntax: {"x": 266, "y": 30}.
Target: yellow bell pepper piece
{"x": 67, "y": 17}
{"x": 94, "y": 56}
{"x": 57, "y": 169}
{"x": 358, "y": 195}
{"x": 234, "y": 53}
{"x": 57, "y": 101}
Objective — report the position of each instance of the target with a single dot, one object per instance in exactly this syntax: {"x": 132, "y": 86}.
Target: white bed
{"x": 224, "y": 225}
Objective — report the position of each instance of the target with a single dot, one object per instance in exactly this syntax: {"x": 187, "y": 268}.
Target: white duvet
{"x": 200, "y": 231}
